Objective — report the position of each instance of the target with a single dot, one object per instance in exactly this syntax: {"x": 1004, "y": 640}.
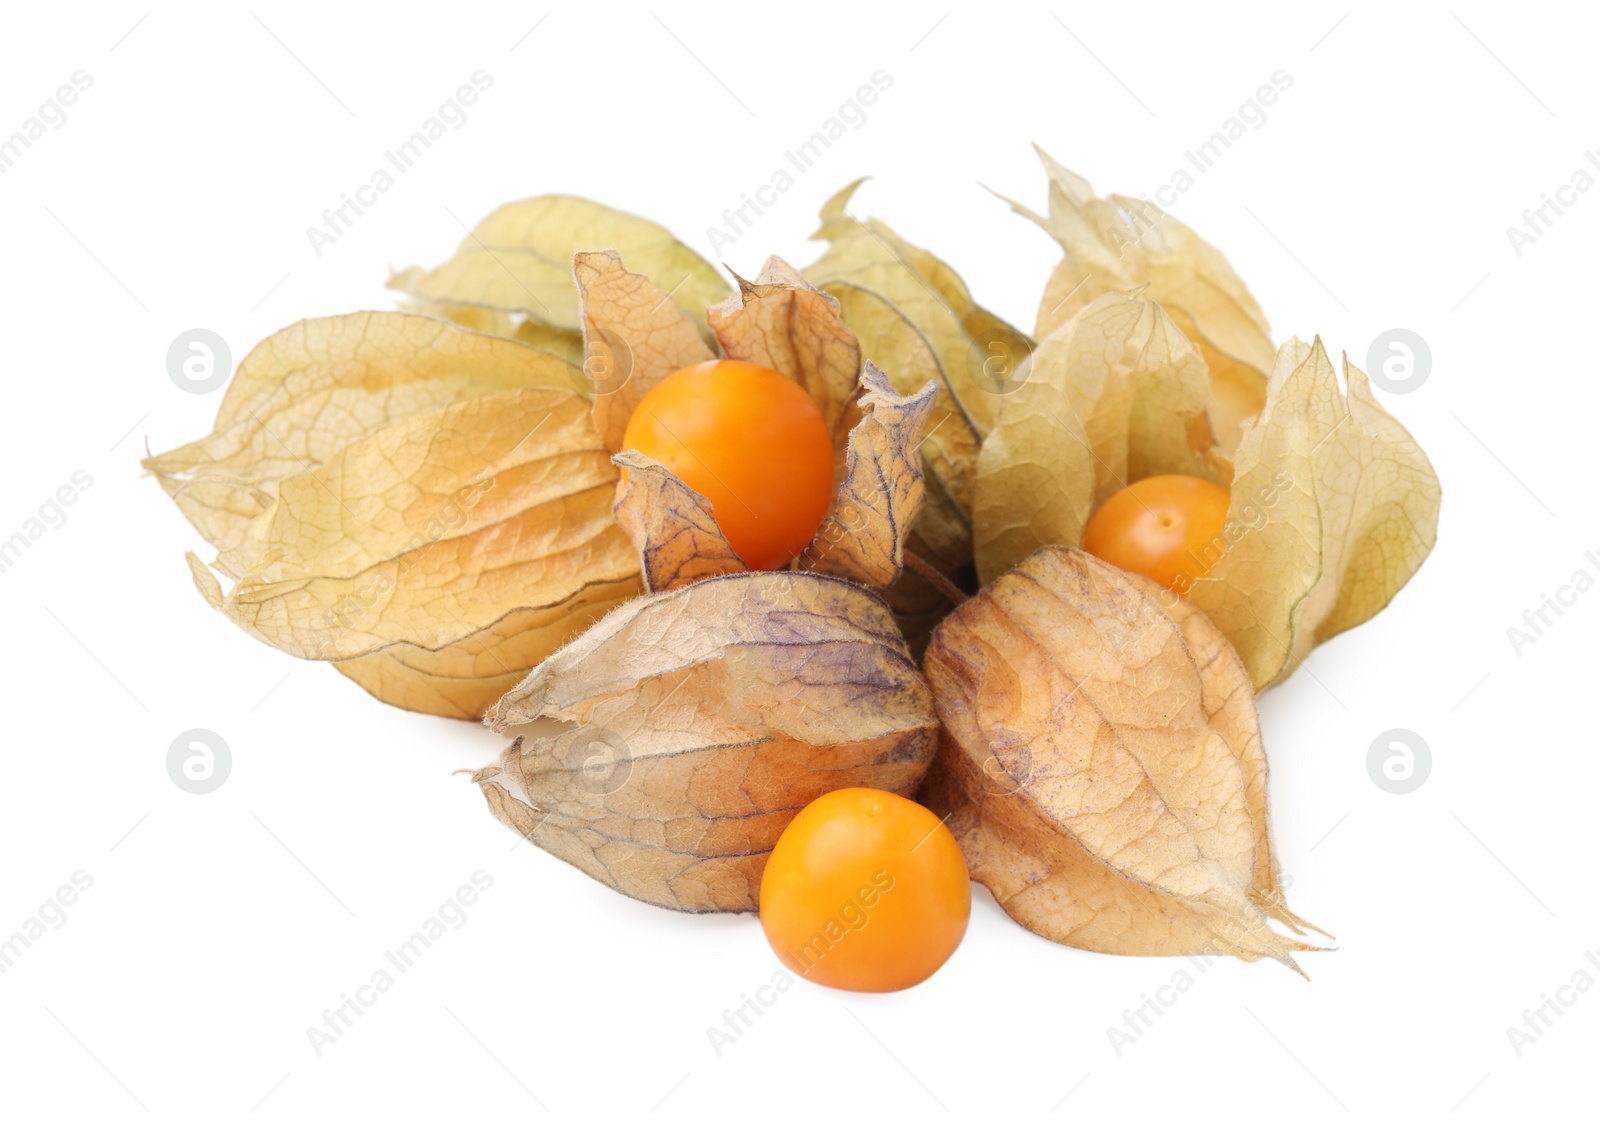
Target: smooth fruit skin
{"x": 1168, "y": 528}
{"x": 753, "y": 443}
{"x": 865, "y": 891}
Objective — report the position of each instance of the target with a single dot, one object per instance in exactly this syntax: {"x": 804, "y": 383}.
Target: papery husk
{"x": 948, "y": 444}
{"x": 863, "y": 537}
{"x": 425, "y": 507}
{"x": 927, "y": 292}
{"x": 673, "y": 526}
{"x": 779, "y": 321}
{"x": 1334, "y": 506}
{"x": 517, "y": 263}
{"x": 706, "y": 717}
{"x": 917, "y": 320}
{"x": 305, "y": 392}
{"x": 1115, "y": 394}
{"x": 510, "y": 482}
{"x": 1118, "y": 243}
{"x": 1107, "y": 792}
{"x": 1228, "y": 699}
{"x": 634, "y": 335}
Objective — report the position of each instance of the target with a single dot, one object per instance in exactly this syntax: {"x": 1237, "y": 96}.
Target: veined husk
{"x": 1333, "y": 505}
{"x": 512, "y": 274}
{"x": 305, "y": 392}
{"x": 1101, "y": 765}
{"x": 711, "y": 710}
{"x": 425, "y": 507}
{"x": 706, "y": 716}
{"x": 1117, "y": 243}
{"x": 1334, "y": 508}
{"x": 1116, "y": 394}
{"x": 916, "y": 318}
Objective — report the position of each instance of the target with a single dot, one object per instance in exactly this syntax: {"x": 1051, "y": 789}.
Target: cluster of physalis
{"x": 765, "y": 568}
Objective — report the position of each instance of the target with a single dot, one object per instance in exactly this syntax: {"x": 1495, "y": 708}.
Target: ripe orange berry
{"x": 1168, "y": 528}
{"x": 753, "y": 443}
{"x": 865, "y": 891}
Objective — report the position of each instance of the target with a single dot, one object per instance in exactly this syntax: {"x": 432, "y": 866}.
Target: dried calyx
{"x": 428, "y": 508}
{"x": 916, "y": 318}
{"x": 1154, "y": 358}
{"x": 1102, "y": 767}
{"x": 706, "y": 716}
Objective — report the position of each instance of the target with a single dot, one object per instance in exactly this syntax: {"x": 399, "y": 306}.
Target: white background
{"x": 219, "y": 927}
